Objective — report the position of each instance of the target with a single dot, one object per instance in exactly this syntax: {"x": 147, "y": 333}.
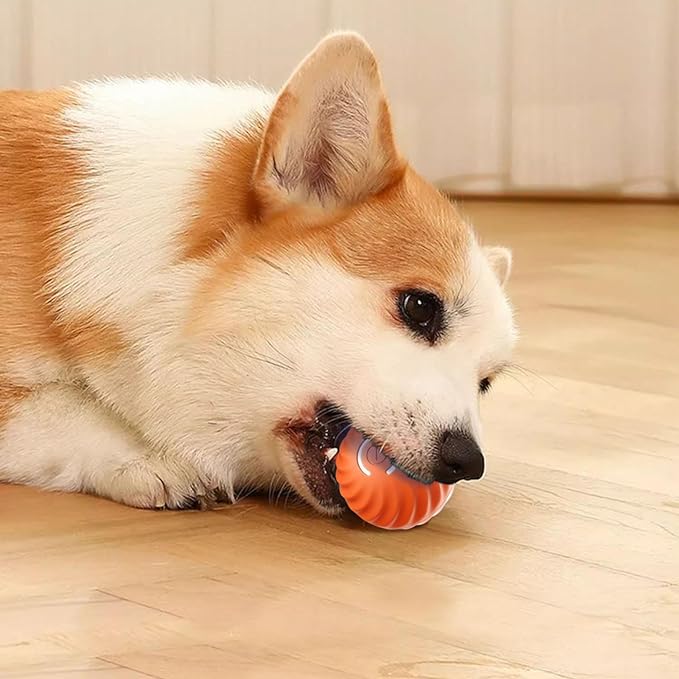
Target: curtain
{"x": 489, "y": 96}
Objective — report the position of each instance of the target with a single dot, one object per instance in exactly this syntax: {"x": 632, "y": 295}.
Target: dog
{"x": 203, "y": 283}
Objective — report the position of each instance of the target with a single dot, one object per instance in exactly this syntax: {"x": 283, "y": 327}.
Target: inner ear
{"x": 328, "y": 142}
{"x": 500, "y": 260}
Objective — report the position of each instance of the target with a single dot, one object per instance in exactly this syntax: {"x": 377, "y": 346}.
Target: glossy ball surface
{"x": 379, "y": 492}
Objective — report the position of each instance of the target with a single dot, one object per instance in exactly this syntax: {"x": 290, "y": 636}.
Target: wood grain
{"x": 563, "y": 562}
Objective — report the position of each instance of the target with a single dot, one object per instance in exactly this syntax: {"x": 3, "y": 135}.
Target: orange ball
{"x": 380, "y": 493}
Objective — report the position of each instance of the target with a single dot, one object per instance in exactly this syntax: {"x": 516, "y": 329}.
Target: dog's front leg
{"x": 58, "y": 437}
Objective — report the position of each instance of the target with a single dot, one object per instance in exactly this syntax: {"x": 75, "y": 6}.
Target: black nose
{"x": 459, "y": 457}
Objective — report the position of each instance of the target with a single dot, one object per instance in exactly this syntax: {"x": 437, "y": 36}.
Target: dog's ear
{"x": 328, "y": 142}
{"x": 500, "y": 260}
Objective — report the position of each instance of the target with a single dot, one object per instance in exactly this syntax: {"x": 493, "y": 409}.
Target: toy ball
{"x": 378, "y": 492}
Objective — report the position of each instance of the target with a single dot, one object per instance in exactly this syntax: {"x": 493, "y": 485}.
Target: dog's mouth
{"x": 312, "y": 438}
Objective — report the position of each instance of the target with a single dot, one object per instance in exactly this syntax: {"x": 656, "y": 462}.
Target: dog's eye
{"x": 422, "y": 312}
{"x": 485, "y": 385}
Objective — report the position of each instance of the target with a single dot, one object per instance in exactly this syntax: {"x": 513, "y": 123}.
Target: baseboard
{"x": 563, "y": 197}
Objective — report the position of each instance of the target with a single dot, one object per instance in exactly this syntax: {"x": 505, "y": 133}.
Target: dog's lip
{"x": 309, "y": 436}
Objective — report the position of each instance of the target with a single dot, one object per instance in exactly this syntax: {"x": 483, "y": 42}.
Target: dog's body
{"x": 192, "y": 272}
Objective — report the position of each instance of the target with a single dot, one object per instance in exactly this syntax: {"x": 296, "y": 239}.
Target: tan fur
{"x": 38, "y": 188}
{"x": 225, "y": 197}
{"x": 408, "y": 235}
{"x": 10, "y": 397}
{"x": 266, "y": 195}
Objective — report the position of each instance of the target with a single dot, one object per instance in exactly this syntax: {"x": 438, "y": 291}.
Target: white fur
{"x": 500, "y": 260}
{"x": 144, "y": 143}
{"x": 70, "y": 443}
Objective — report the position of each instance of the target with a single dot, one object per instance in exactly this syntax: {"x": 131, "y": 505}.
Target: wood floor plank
{"x": 562, "y": 563}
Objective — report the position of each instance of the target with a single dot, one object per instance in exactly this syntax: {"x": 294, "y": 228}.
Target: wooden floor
{"x": 563, "y": 562}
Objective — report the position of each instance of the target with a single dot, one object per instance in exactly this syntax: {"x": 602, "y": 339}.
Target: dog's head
{"x": 360, "y": 296}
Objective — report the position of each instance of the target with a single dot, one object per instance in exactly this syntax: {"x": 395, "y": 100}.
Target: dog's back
{"x": 101, "y": 193}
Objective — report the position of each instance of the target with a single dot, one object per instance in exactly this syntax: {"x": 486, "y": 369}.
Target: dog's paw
{"x": 151, "y": 483}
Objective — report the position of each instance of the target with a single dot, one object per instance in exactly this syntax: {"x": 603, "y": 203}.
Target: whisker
{"x": 332, "y": 410}
{"x": 257, "y": 357}
{"x": 527, "y": 371}
{"x": 292, "y": 498}
{"x": 328, "y": 407}
{"x": 246, "y": 488}
{"x": 221, "y": 425}
{"x": 272, "y": 487}
{"x": 290, "y": 362}
{"x": 462, "y": 301}
{"x": 273, "y": 265}
{"x": 385, "y": 442}
{"x": 518, "y": 381}
{"x": 334, "y": 420}
{"x": 283, "y": 491}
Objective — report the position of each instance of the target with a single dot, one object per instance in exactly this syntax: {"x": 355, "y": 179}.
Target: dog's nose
{"x": 459, "y": 457}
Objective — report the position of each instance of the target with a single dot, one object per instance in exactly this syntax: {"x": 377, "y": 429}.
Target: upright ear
{"x": 500, "y": 260}
{"x": 328, "y": 142}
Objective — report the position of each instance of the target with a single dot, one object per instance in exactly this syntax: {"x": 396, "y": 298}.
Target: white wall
{"x": 488, "y": 95}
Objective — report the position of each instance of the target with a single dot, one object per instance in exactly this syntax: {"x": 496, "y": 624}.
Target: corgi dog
{"x": 203, "y": 283}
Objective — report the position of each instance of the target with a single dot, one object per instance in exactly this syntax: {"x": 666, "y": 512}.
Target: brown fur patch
{"x": 268, "y": 197}
{"x": 87, "y": 337}
{"x": 10, "y": 397}
{"x": 39, "y": 185}
{"x": 407, "y": 236}
{"x": 225, "y": 198}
